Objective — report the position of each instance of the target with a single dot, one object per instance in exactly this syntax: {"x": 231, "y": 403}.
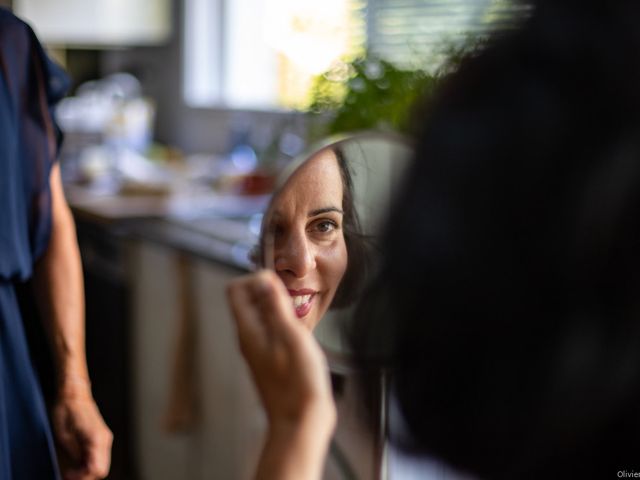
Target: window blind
{"x": 415, "y": 33}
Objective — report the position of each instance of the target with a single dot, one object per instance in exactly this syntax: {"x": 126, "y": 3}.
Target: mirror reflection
{"x": 307, "y": 222}
{"x": 320, "y": 229}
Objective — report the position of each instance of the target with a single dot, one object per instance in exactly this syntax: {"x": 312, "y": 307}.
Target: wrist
{"x": 317, "y": 424}
{"x": 74, "y": 386}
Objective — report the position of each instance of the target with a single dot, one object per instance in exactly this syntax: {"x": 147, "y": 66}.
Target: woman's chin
{"x": 309, "y": 321}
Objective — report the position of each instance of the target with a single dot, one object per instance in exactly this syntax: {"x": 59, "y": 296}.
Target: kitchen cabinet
{"x": 222, "y": 435}
{"x": 107, "y": 299}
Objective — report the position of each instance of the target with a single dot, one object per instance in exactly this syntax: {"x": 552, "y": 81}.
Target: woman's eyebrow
{"x": 320, "y": 211}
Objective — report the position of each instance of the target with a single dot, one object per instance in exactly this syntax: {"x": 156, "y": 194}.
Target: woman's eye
{"x": 324, "y": 226}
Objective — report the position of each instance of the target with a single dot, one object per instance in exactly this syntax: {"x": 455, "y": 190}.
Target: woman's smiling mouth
{"x": 302, "y": 301}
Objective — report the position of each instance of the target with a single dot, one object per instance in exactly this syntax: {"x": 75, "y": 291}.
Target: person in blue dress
{"x": 38, "y": 244}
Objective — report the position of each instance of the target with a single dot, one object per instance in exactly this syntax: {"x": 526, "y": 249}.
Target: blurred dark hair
{"x": 508, "y": 304}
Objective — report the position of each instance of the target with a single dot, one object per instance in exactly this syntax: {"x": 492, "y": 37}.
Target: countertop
{"x": 222, "y": 237}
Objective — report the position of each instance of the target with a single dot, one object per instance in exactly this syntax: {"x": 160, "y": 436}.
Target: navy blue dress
{"x": 30, "y": 84}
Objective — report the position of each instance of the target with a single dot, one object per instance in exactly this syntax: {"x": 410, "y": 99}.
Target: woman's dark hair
{"x": 358, "y": 245}
{"x": 508, "y": 304}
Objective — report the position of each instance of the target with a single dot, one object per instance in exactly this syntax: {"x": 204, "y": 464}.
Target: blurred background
{"x": 180, "y": 116}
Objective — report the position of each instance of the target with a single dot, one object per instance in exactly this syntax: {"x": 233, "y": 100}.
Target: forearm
{"x": 297, "y": 450}
{"x": 83, "y": 439}
{"x": 59, "y": 292}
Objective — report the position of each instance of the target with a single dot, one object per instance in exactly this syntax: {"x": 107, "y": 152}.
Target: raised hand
{"x": 290, "y": 374}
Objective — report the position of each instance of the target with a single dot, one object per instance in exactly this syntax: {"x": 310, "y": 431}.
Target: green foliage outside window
{"x": 369, "y": 93}
{"x": 372, "y": 93}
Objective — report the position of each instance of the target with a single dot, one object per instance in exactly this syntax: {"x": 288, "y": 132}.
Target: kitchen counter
{"x": 213, "y": 236}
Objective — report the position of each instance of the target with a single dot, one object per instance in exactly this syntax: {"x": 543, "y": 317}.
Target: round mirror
{"x": 320, "y": 229}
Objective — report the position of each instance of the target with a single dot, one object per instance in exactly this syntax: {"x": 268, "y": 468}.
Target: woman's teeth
{"x": 300, "y": 300}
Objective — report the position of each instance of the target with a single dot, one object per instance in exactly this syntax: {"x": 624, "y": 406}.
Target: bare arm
{"x": 296, "y": 451}
{"x": 60, "y": 294}
{"x": 58, "y": 282}
{"x": 290, "y": 373}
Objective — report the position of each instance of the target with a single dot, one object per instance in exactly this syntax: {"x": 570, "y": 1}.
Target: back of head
{"x": 510, "y": 284}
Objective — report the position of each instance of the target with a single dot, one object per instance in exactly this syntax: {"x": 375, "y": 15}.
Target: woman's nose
{"x": 295, "y": 255}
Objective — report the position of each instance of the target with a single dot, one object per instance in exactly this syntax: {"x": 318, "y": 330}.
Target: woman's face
{"x": 309, "y": 250}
